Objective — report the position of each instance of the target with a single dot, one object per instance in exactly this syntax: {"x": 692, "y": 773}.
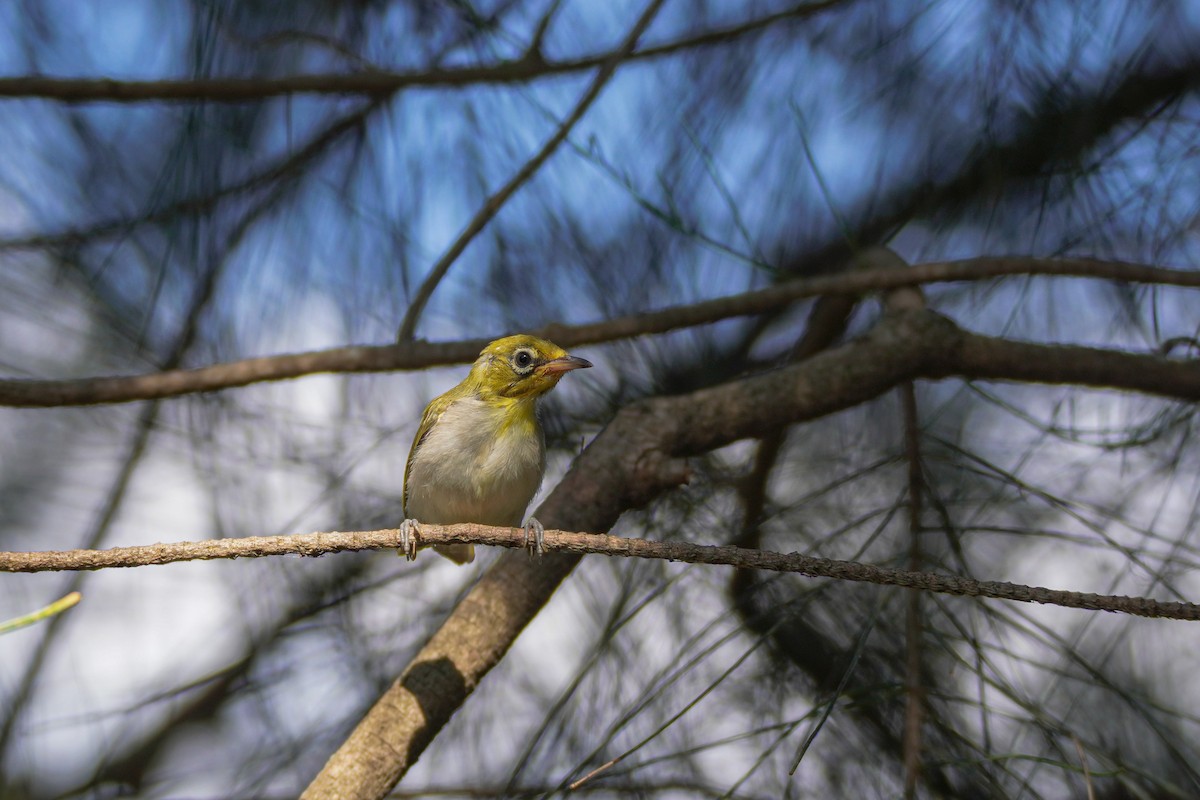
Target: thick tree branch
{"x": 419, "y": 355}
{"x": 375, "y": 83}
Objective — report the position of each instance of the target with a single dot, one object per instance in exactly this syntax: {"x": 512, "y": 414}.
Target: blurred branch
{"x": 286, "y": 167}
{"x": 421, "y": 354}
{"x": 236, "y": 90}
{"x": 57, "y": 607}
{"x": 201, "y": 299}
{"x": 200, "y": 702}
{"x": 101, "y": 526}
{"x": 914, "y": 710}
{"x": 494, "y": 203}
{"x": 99, "y": 529}
{"x": 539, "y": 33}
{"x": 1057, "y": 132}
{"x": 910, "y": 298}
{"x": 188, "y": 708}
{"x": 317, "y": 544}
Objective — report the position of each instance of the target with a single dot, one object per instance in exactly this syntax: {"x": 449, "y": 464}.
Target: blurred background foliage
{"x": 142, "y": 236}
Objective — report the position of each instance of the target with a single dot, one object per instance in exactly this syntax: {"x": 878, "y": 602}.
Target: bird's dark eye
{"x": 523, "y": 359}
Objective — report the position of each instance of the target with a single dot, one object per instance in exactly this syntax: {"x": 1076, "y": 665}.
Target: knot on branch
{"x": 928, "y": 330}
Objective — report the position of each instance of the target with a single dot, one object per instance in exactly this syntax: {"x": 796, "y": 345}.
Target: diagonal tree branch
{"x": 419, "y": 354}
{"x": 494, "y": 203}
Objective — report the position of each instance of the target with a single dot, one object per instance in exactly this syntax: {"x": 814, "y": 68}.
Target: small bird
{"x": 479, "y": 453}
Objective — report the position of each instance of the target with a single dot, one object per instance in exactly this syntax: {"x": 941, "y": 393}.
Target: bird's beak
{"x": 564, "y": 364}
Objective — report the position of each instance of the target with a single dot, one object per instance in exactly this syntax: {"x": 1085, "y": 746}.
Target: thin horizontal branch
{"x": 316, "y": 544}
{"x": 530, "y": 67}
{"x": 419, "y": 355}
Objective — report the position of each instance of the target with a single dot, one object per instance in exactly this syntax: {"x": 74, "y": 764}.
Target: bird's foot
{"x": 409, "y": 534}
{"x": 535, "y": 538}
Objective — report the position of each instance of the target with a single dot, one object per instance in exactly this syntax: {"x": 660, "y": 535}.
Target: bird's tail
{"x": 458, "y": 553}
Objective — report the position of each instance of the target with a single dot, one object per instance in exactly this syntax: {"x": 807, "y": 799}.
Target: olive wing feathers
{"x": 433, "y": 411}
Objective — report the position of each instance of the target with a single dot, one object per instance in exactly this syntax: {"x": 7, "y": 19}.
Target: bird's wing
{"x": 433, "y": 411}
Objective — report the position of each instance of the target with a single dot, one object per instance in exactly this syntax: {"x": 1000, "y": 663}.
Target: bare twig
{"x": 147, "y": 419}
{"x": 57, "y": 607}
{"x": 372, "y": 83}
{"x": 494, "y": 203}
{"x": 139, "y": 440}
{"x": 419, "y": 355}
{"x": 534, "y": 51}
{"x": 1083, "y": 762}
{"x": 914, "y": 709}
{"x": 910, "y": 298}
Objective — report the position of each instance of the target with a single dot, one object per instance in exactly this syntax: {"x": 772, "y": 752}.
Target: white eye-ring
{"x": 522, "y": 360}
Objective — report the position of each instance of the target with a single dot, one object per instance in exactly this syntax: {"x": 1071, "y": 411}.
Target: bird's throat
{"x": 520, "y": 416}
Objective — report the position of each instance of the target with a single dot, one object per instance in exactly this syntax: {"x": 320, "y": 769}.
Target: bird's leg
{"x": 409, "y": 534}
{"x": 535, "y": 531}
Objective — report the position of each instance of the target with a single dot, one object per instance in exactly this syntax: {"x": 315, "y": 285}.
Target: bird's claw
{"x": 535, "y": 531}
{"x": 409, "y": 534}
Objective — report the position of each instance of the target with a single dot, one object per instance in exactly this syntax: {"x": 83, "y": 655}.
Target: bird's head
{"x": 521, "y": 366}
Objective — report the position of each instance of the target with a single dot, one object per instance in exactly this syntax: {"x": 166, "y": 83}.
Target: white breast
{"x": 468, "y": 470}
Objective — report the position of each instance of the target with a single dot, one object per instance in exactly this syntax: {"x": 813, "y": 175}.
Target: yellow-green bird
{"x": 479, "y": 452}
